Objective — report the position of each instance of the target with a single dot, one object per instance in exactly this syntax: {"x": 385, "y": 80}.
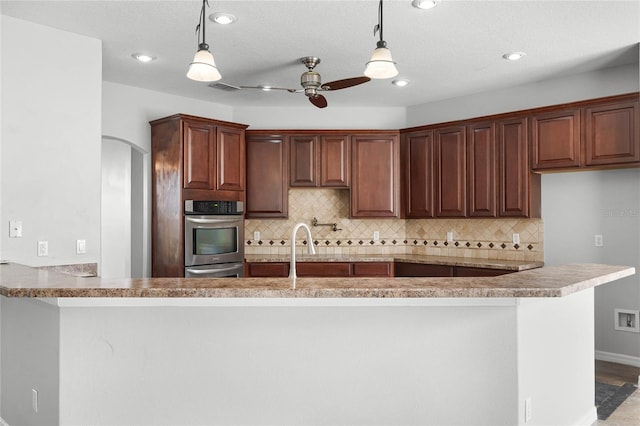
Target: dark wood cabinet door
{"x": 266, "y": 176}
{"x": 303, "y": 158}
{"x": 514, "y": 178}
{"x": 555, "y": 140}
{"x": 466, "y": 271}
{"x": 482, "y": 165}
{"x": 451, "y": 173}
{"x": 417, "y": 160}
{"x": 372, "y": 269}
{"x": 407, "y": 269}
{"x": 374, "y": 176}
{"x": 612, "y": 134}
{"x": 322, "y": 269}
{"x": 276, "y": 269}
{"x": 230, "y": 159}
{"x": 334, "y": 161}
{"x": 199, "y": 155}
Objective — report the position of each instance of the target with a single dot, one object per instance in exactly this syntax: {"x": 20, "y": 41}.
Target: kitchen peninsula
{"x": 315, "y": 351}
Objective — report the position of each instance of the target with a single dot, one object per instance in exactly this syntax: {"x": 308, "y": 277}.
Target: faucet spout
{"x": 310, "y": 246}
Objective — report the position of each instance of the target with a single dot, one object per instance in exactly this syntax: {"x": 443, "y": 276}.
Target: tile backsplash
{"x": 474, "y": 238}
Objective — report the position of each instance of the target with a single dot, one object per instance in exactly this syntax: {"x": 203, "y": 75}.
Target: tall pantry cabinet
{"x": 192, "y": 158}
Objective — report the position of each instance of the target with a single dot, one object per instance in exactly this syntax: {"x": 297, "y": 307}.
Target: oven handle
{"x": 206, "y": 221}
{"x": 210, "y": 271}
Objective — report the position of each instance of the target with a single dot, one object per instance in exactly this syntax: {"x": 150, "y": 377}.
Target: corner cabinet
{"x": 375, "y": 175}
{"x": 267, "y": 175}
{"x": 192, "y": 158}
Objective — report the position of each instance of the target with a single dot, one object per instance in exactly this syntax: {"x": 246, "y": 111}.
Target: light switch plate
{"x": 81, "y": 246}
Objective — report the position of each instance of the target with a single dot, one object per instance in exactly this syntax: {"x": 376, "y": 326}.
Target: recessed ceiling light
{"x": 425, "y": 4}
{"x": 513, "y": 56}
{"x": 223, "y": 18}
{"x": 400, "y": 82}
{"x": 143, "y": 57}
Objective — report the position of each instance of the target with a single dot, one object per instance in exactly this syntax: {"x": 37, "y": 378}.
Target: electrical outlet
{"x": 527, "y": 410}
{"x": 376, "y": 235}
{"x": 450, "y": 236}
{"x": 15, "y": 228}
{"x": 598, "y": 240}
{"x": 81, "y": 246}
{"x": 515, "y": 238}
{"x": 256, "y": 235}
{"x": 43, "y": 248}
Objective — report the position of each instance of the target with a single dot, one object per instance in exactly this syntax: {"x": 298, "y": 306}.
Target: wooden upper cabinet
{"x": 481, "y": 168}
{"x": 375, "y": 175}
{"x": 451, "y": 173}
{"x": 267, "y": 177}
{"x": 334, "y": 161}
{"x": 303, "y": 159}
{"x": 612, "y": 134}
{"x": 199, "y": 155}
{"x": 519, "y": 189}
{"x": 418, "y": 180}
{"x": 555, "y": 139}
{"x": 230, "y": 164}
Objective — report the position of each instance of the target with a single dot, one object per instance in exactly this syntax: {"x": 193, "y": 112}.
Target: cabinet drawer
{"x": 371, "y": 269}
{"x": 322, "y": 269}
{"x": 268, "y": 269}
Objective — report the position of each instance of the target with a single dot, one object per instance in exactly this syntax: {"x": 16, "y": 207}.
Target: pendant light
{"x": 381, "y": 64}
{"x": 203, "y": 67}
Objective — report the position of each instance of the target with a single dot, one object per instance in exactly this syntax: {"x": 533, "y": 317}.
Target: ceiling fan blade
{"x": 343, "y": 84}
{"x": 268, "y": 88}
{"x": 318, "y": 100}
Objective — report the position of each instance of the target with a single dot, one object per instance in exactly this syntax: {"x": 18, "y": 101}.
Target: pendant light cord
{"x": 201, "y": 24}
{"x": 380, "y": 19}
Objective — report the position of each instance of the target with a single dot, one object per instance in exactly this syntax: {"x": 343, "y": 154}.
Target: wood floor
{"x": 628, "y": 413}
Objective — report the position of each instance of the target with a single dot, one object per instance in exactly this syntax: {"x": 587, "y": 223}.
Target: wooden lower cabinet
{"x": 320, "y": 269}
{"x": 407, "y": 269}
{"x": 271, "y": 269}
{"x": 465, "y": 271}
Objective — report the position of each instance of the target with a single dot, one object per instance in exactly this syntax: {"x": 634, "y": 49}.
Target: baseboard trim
{"x": 589, "y": 419}
{"x": 618, "y": 358}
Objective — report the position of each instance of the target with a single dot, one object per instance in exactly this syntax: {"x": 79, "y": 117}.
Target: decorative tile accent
{"x": 475, "y": 238}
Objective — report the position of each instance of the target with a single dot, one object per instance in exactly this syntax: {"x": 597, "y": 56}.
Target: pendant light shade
{"x": 381, "y": 64}
{"x": 203, "y": 67}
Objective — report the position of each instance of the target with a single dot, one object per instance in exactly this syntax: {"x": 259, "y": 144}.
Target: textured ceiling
{"x": 452, "y": 50}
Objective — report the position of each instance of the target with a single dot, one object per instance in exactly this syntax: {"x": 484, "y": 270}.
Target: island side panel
{"x": 556, "y": 359}
{"x": 30, "y": 361}
{"x": 289, "y": 365}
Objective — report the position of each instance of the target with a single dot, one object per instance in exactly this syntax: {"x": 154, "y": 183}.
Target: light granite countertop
{"x": 554, "y": 281}
{"x": 509, "y": 265}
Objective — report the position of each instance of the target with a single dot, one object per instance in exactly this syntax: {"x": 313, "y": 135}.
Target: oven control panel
{"x": 213, "y": 207}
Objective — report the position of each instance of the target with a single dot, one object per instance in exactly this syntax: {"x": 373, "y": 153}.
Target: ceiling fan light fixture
{"x": 381, "y": 64}
{"x": 203, "y": 67}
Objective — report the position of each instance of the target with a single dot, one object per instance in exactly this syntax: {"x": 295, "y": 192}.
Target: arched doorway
{"x": 124, "y": 218}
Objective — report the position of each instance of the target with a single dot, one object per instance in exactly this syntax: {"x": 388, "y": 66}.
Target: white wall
{"x": 575, "y": 207}
{"x": 308, "y": 117}
{"x": 606, "y": 82}
{"x": 50, "y": 165}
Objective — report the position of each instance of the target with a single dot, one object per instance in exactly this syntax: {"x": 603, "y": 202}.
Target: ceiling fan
{"x": 310, "y": 81}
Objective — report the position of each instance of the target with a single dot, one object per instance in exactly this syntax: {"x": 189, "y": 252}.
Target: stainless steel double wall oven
{"x": 213, "y": 238}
